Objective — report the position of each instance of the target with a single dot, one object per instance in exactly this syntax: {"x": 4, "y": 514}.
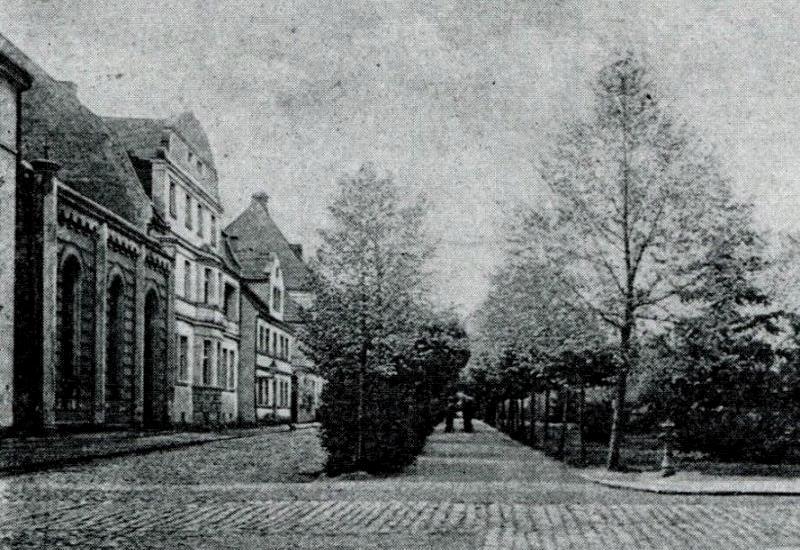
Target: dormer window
{"x": 200, "y": 168}
{"x": 190, "y": 157}
{"x": 276, "y": 299}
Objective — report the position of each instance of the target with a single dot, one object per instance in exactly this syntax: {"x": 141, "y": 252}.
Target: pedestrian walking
{"x": 450, "y": 414}
{"x": 467, "y": 411}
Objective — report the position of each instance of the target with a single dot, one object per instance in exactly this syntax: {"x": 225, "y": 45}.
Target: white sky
{"x": 453, "y": 97}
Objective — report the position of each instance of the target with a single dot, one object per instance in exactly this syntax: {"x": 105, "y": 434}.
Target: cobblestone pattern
{"x": 506, "y": 526}
{"x": 478, "y": 491}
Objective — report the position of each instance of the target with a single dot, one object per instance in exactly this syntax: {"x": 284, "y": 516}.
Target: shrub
{"x": 597, "y": 421}
{"x": 396, "y": 420}
{"x": 731, "y": 436}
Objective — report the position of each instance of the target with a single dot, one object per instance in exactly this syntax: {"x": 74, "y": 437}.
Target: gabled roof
{"x": 143, "y": 137}
{"x": 256, "y": 236}
{"x": 57, "y": 126}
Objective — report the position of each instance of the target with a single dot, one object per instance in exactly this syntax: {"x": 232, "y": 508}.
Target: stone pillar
{"x": 49, "y": 289}
{"x": 139, "y": 328}
{"x": 171, "y": 374}
{"x": 100, "y": 312}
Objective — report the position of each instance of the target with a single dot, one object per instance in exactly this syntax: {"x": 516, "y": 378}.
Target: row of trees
{"x": 640, "y": 263}
{"x": 390, "y": 358}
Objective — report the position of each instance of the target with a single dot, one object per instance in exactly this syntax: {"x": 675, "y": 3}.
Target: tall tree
{"x": 371, "y": 296}
{"x": 634, "y": 195}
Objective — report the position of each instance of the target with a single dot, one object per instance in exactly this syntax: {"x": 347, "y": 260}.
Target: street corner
{"x": 690, "y": 483}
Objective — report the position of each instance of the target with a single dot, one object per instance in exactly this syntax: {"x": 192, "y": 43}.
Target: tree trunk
{"x": 491, "y": 411}
{"x": 562, "y": 439}
{"x": 581, "y": 421}
{"x": 522, "y": 434}
{"x": 360, "y": 426}
{"x": 532, "y": 427}
{"x": 546, "y": 435}
{"x": 618, "y": 415}
{"x": 512, "y": 410}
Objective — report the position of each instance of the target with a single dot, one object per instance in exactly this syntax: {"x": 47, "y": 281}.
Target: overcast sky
{"x": 453, "y": 97}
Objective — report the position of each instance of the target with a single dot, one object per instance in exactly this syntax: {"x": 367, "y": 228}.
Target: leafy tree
{"x": 719, "y": 381}
{"x": 524, "y": 332}
{"x": 374, "y": 335}
{"x": 634, "y": 196}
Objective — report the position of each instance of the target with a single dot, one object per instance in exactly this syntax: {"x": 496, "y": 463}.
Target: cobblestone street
{"x": 477, "y": 490}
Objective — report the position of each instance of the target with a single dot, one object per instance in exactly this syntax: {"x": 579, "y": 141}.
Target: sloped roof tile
{"x": 57, "y": 126}
{"x": 143, "y": 137}
{"x": 256, "y": 233}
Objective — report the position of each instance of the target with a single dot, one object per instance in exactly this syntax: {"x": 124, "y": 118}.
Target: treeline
{"x": 389, "y": 357}
{"x": 642, "y": 280}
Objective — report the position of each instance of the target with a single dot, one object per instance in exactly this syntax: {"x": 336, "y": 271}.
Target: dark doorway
{"x": 68, "y": 396}
{"x": 119, "y": 397}
{"x": 152, "y": 357}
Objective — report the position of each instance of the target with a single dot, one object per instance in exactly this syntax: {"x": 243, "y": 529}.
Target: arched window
{"x": 67, "y": 392}
{"x": 114, "y": 340}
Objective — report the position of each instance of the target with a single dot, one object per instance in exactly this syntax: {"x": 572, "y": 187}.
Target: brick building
{"x": 176, "y": 167}
{"x": 91, "y": 275}
{"x": 139, "y": 310}
{"x": 274, "y": 278}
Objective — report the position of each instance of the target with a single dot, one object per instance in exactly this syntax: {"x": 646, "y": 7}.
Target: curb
{"x": 661, "y": 489}
{"x": 11, "y": 471}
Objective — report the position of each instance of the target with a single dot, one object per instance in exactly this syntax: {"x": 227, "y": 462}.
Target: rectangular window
{"x": 207, "y": 374}
{"x": 222, "y": 364}
{"x": 208, "y": 286}
{"x": 183, "y": 358}
{"x": 200, "y": 216}
{"x": 187, "y": 279}
{"x": 188, "y": 212}
{"x": 213, "y": 230}
{"x": 173, "y": 200}
{"x": 274, "y": 344}
{"x": 231, "y": 369}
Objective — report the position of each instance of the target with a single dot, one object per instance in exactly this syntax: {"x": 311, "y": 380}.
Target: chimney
{"x": 262, "y": 199}
{"x": 297, "y": 248}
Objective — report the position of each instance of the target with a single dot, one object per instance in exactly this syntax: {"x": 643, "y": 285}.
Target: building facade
{"x": 176, "y": 167}
{"x": 276, "y": 376}
{"x": 90, "y": 272}
{"x": 139, "y": 310}
{"x": 265, "y": 377}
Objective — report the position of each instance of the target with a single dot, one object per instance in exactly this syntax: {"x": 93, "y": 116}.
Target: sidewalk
{"x": 693, "y": 483}
{"x": 28, "y": 454}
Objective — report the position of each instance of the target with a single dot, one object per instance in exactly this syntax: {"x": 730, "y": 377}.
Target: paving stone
{"x": 522, "y": 501}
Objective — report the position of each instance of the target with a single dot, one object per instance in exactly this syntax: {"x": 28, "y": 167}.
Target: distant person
{"x": 468, "y": 411}
{"x": 450, "y": 414}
